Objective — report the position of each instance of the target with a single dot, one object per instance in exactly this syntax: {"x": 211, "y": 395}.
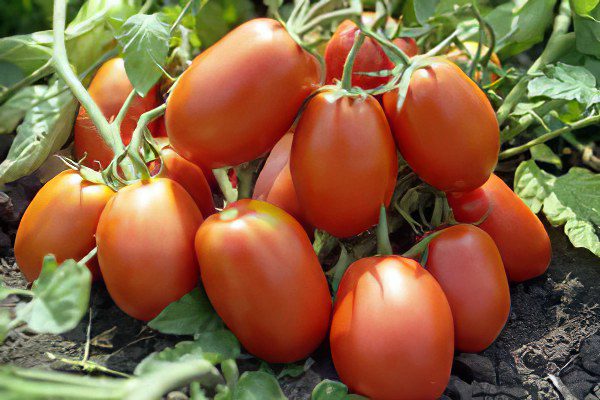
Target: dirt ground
{"x": 550, "y": 348}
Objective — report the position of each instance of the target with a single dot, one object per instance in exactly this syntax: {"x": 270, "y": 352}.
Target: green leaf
{"x": 214, "y": 347}
{"x": 583, "y": 7}
{"x": 218, "y": 17}
{"x": 566, "y": 82}
{"x": 572, "y": 199}
{"x": 4, "y": 323}
{"x": 424, "y": 9}
{"x": 330, "y": 390}
{"x": 296, "y": 369}
{"x": 45, "y": 129}
{"x": 24, "y": 52}
{"x": 189, "y": 315}
{"x": 145, "y": 42}
{"x": 542, "y": 152}
{"x": 586, "y": 20}
{"x": 13, "y": 111}
{"x": 61, "y": 297}
{"x": 257, "y": 386}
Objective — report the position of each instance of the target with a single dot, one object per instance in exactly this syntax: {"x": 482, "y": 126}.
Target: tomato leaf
{"x": 257, "y": 385}
{"x": 586, "y": 20}
{"x": 296, "y": 369}
{"x": 189, "y": 315}
{"x": 45, "y": 129}
{"x": 214, "y": 347}
{"x": 333, "y": 390}
{"x": 218, "y": 17}
{"x": 22, "y": 55}
{"x": 145, "y": 42}
{"x": 13, "y": 111}
{"x": 61, "y": 297}
{"x": 566, "y": 82}
{"x": 570, "y": 199}
{"x": 424, "y": 9}
{"x": 543, "y": 153}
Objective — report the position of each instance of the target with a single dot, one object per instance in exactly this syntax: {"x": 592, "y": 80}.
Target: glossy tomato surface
{"x": 240, "y": 96}
{"x": 145, "y": 244}
{"x": 61, "y": 220}
{"x": 392, "y": 336}
{"x": 446, "y": 130}
{"x": 264, "y": 279}
{"x": 343, "y": 162}
{"x": 467, "y": 264}
{"x": 519, "y": 234}
{"x": 109, "y": 89}
{"x": 191, "y": 177}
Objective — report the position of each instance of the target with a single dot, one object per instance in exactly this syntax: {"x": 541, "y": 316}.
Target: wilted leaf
{"x": 566, "y": 82}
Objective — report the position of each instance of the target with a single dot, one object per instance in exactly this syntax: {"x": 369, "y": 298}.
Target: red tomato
{"x": 370, "y": 57}
{"x": 343, "y": 162}
{"x": 240, "y": 96}
{"x": 392, "y": 336}
{"x": 274, "y": 184}
{"x": 109, "y": 89}
{"x": 264, "y": 279}
{"x": 463, "y": 60}
{"x": 145, "y": 241}
{"x": 447, "y": 129}
{"x": 467, "y": 265}
{"x": 520, "y": 236}
{"x": 191, "y": 177}
{"x": 61, "y": 220}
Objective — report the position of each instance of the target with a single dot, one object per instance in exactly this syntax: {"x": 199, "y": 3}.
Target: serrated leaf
{"x": 61, "y": 297}
{"x": 543, "y": 153}
{"x": 13, "y": 111}
{"x": 258, "y": 385}
{"x": 189, "y": 315}
{"x": 145, "y": 42}
{"x": 45, "y": 129}
{"x": 566, "y": 82}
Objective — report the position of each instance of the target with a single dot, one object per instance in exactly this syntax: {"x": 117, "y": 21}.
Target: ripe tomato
{"x": 109, "y": 89}
{"x": 264, "y": 279}
{"x": 343, "y": 162}
{"x": 467, "y": 265}
{"x": 145, "y": 241}
{"x": 240, "y": 96}
{"x": 392, "y": 336}
{"x": 446, "y": 130}
{"x": 463, "y": 60}
{"x": 191, "y": 177}
{"x": 61, "y": 220}
{"x": 274, "y": 184}
{"x": 520, "y": 236}
{"x": 370, "y": 57}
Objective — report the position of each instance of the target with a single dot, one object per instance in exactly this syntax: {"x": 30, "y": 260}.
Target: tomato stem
{"x": 89, "y": 256}
{"x": 346, "y": 82}
{"x": 123, "y": 111}
{"x": 227, "y": 189}
{"x": 384, "y": 247}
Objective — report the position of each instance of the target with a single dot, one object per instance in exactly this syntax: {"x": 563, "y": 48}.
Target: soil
{"x": 549, "y": 349}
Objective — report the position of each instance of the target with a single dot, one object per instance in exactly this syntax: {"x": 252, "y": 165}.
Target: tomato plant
{"x": 247, "y": 110}
{"x": 109, "y": 89}
{"x": 264, "y": 279}
{"x": 60, "y": 220}
{"x": 519, "y": 234}
{"x": 343, "y": 146}
{"x": 467, "y": 264}
{"x": 463, "y": 59}
{"x": 145, "y": 240}
{"x": 452, "y": 145}
{"x": 392, "y": 335}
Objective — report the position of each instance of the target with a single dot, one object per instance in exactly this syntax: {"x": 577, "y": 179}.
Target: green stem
{"x": 181, "y": 15}
{"x": 38, "y": 74}
{"x": 359, "y": 39}
{"x": 550, "y": 135}
{"x": 245, "y": 177}
{"x": 89, "y": 256}
{"x": 228, "y": 191}
{"x": 123, "y": 111}
{"x": 133, "y": 149}
{"x": 525, "y": 121}
{"x": 421, "y": 246}
{"x": 323, "y": 18}
{"x": 384, "y": 247}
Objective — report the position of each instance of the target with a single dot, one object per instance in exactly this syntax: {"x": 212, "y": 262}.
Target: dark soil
{"x": 550, "y": 348}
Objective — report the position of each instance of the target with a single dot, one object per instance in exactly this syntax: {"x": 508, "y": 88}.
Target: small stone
{"x": 474, "y": 367}
{"x": 458, "y": 389}
{"x": 486, "y": 390}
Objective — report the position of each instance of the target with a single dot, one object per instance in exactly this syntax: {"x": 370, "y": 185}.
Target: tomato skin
{"x": 519, "y": 234}
{"x": 467, "y": 264}
{"x": 109, "y": 89}
{"x": 191, "y": 178}
{"x": 264, "y": 279}
{"x": 408, "y": 45}
{"x": 392, "y": 336}
{"x": 240, "y": 96}
{"x": 446, "y": 130}
{"x": 145, "y": 241}
{"x": 61, "y": 220}
{"x": 343, "y": 147}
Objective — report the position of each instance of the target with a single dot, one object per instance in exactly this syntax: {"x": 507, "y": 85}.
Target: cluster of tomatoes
{"x": 395, "y": 324}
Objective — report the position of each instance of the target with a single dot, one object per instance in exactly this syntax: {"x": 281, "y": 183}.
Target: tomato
{"x": 446, "y": 130}
{"x": 463, "y": 60}
{"x": 274, "y": 184}
{"x": 62, "y": 220}
{"x": 370, "y": 57}
{"x": 240, "y": 96}
{"x": 343, "y": 162}
{"x": 109, "y": 89}
{"x": 467, "y": 264}
{"x": 519, "y": 234}
{"x": 392, "y": 335}
{"x": 191, "y": 177}
{"x": 264, "y": 279}
{"x": 145, "y": 241}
